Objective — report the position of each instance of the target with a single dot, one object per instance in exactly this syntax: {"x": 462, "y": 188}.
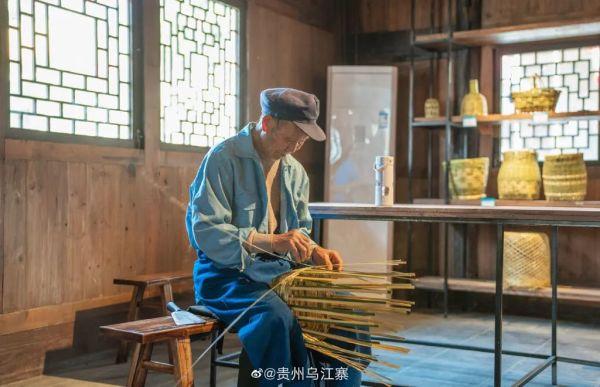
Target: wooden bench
{"x": 145, "y": 333}
{"x": 140, "y": 283}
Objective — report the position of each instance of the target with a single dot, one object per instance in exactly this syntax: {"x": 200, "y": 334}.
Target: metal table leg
{"x": 317, "y": 230}
{"x": 554, "y": 280}
{"x": 446, "y": 244}
{"x": 498, "y": 312}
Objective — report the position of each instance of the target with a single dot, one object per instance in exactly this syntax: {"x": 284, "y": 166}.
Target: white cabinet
{"x": 361, "y": 122}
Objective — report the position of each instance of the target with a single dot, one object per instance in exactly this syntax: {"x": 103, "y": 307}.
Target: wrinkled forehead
{"x": 290, "y": 129}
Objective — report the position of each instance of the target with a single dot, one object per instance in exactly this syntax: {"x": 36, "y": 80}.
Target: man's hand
{"x": 329, "y": 259}
{"x": 293, "y": 241}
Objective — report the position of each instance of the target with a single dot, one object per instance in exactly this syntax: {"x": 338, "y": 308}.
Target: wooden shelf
{"x": 554, "y": 31}
{"x": 484, "y": 286}
{"x": 515, "y": 203}
{"x": 495, "y": 119}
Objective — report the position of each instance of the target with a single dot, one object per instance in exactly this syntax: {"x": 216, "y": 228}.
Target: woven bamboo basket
{"x": 468, "y": 178}
{"x": 565, "y": 177}
{"x": 526, "y": 260}
{"x": 535, "y": 100}
{"x": 519, "y": 176}
{"x": 326, "y": 301}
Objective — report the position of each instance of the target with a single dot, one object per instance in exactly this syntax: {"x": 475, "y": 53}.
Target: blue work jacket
{"x": 228, "y": 199}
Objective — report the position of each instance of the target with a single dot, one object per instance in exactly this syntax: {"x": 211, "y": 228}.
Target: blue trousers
{"x": 268, "y": 331}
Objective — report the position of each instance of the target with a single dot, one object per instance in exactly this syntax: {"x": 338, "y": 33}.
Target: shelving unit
{"x": 497, "y": 119}
{"x": 526, "y": 33}
{"x": 445, "y": 44}
{"x": 565, "y": 293}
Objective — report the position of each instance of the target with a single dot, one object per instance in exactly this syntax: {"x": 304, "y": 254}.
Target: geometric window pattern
{"x": 199, "y": 71}
{"x": 575, "y": 71}
{"x": 70, "y": 66}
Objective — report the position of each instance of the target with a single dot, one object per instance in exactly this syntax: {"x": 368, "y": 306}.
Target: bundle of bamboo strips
{"x": 326, "y": 301}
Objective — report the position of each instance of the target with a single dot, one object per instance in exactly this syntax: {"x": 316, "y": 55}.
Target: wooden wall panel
{"x": 286, "y": 52}
{"x": 15, "y": 250}
{"x": 394, "y": 15}
{"x": 498, "y": 13}
{"x": 77, "y": 226}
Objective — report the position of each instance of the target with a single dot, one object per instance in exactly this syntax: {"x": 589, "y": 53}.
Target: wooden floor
{"x": 424, "y": 366}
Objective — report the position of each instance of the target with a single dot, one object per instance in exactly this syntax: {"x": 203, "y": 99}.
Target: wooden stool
{"x": 147, "y": 332}
{"x": 140, "y": 283}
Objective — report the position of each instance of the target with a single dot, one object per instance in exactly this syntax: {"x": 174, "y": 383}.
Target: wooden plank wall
{"x": 76, "y": 216}
{"x": 394, "y": 15}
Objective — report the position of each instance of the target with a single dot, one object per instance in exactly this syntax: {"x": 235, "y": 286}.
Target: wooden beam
{"x": 553, "y": 31}
{"x": 43, "y": 316}
{"x": 319, "y": 13}
{"x": 17, "y": 149}
{"x": 24, "y": 353}
{"x": 4, "y": 123}
{"x": 369, "y": 47}
{"x": 151, "y": 107}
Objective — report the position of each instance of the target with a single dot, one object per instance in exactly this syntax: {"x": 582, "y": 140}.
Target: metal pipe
{"x": 317, "y": 230}
{"x": 448, "y": 113}
{"x": 429, "y": 164}
{"x": 589, "y": 363}
{"x": 498, "y": 311}
{"x": 461, "y": 347}
{"x": 465, "y": 246}
{"x": 409, "y": 248}
{"x": 554, "y": 279}
{"x": 411, "y": 76}
{"x": 229, "y": 356}
{"x": 535, "y": 372}
{"x": 446, "y": 247}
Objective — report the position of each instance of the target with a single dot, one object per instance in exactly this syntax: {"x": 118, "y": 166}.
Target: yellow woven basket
{"x": 526, "y": 260}
{"x": 536, "y": 99}
{"x": 565, "y": 177}
{"x": 468, "y": 178}
{"x": 519, "y": 176}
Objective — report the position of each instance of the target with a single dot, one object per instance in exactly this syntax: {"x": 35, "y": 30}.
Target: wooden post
{"x": 137, "y": 295}
{"x": 137, "y": 378}
{"x": 135, "y": 362}
{"x": 166, "y": 295}
{"x": 183, "y": 363}
{"x": 4, "y": 123}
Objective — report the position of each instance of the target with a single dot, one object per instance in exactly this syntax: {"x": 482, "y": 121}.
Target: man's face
{"x": 283, "y": 137}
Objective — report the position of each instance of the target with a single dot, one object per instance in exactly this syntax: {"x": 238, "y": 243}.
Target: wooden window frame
{"x": 142, "y": 76}
{"x": 529, "y": 47}
{"x": 242, "y": 6}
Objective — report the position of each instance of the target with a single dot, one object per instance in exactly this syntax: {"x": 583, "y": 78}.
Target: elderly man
{"x": 248, "y": 220}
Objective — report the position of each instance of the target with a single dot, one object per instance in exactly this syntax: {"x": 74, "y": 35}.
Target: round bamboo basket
{"x": 537, "y": 99}
{"x": 468, "y": 178}
{"x": 519, "y": 176}
{"x": 526, "y": 260}
{"x": 565, "y": 177}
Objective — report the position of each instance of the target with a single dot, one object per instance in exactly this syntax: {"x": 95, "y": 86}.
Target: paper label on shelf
{"x": 540, "y": 117}
{"x": 488, "y": 202}
{"x": 469, "y": 121}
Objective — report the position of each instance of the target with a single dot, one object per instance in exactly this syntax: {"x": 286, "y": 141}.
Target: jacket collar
{"x": 244, "y": 147}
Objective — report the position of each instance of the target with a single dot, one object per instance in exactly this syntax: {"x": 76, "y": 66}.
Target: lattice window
{"x": 70, "y": 66}
{"x": 572, "y": 70}
{"x": 199, "y": 71}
